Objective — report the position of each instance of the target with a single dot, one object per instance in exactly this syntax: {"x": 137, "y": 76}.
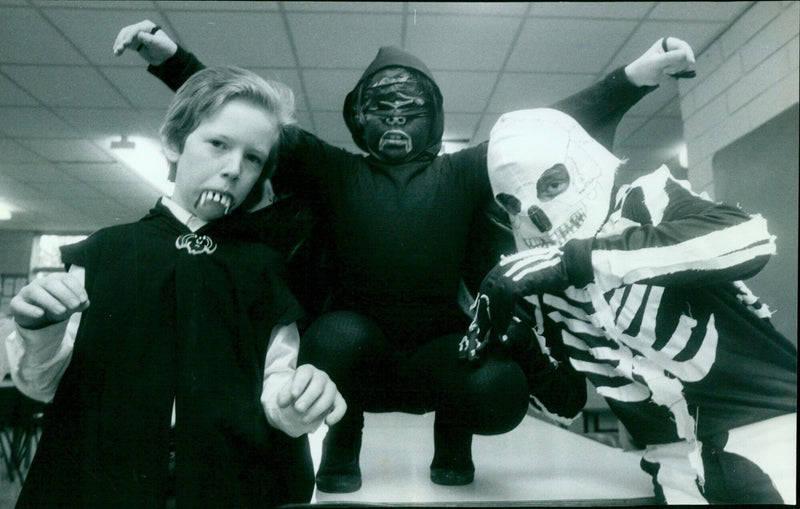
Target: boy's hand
{"x": 147, "y": 38}
{"x": 667, "y": 56}
{"x": 310, "y": 398}
{"x": 49, "y": 300}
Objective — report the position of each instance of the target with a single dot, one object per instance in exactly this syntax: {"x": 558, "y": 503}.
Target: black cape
{"x": 164, "y": 325}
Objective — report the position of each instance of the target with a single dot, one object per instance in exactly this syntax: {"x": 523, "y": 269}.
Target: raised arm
{"x": 167, "y": 61}
{"x": 600, "y": 107}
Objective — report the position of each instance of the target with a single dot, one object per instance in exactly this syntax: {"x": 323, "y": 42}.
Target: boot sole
{"x": 339, "y": 483}
{"x": 446, "y": 477}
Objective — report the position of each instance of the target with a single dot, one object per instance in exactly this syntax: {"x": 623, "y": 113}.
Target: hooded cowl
{"x": 391, "y": 56}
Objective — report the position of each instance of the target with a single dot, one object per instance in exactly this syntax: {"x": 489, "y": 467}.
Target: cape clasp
{"x": 196, "y": 244}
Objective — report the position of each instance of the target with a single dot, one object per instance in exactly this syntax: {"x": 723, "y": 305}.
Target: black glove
{"x": 535, "y": 271}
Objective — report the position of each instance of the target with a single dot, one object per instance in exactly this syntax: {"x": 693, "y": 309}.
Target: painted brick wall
{"x": 745, "y": 78}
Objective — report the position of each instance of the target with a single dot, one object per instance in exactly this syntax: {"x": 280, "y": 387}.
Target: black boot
{"x": 452, "y": 458}
{"x": 339, "y": 471}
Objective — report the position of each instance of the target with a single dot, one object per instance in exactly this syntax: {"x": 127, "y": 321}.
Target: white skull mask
{"x": 552, "y": 178}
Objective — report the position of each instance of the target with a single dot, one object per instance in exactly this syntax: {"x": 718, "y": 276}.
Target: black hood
{"x": 391, "y": 56}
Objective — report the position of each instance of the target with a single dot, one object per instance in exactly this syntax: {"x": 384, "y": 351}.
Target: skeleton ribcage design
{"x": 656, "y": 347}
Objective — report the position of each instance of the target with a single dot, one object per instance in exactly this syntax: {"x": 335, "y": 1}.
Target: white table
{"x": 535, "y": 464}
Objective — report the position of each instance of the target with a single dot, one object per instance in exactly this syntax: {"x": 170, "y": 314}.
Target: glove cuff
{"x": 578, "y": 262}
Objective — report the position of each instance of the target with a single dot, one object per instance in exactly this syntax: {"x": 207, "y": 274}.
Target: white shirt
{"x": 36, "y": 372}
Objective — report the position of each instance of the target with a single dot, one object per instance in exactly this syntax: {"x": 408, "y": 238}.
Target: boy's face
{"x": 222, "y": 159}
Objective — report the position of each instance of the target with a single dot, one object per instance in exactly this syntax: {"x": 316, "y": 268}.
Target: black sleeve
{"x": 175, "y": 70}
{"x": 307, "y": 164}
{"x": 600, "y": 107}
{"x": 556, "y": 388}
{"x": 490, "y": 233}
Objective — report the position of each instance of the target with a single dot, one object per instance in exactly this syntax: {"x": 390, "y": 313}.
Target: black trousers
{"x": 405, "y": 361}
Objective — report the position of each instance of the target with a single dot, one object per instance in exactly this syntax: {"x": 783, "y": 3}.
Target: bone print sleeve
{"x": 664, "y": 234}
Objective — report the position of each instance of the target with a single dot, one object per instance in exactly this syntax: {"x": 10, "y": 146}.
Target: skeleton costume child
{"x": 647, "y": 302}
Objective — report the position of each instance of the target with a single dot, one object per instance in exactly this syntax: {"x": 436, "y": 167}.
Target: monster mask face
{"x": 397, "y": 109}
{"x": 552, "y": 178}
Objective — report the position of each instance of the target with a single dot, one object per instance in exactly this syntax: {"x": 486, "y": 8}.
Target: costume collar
{"x": 191, "y": 221}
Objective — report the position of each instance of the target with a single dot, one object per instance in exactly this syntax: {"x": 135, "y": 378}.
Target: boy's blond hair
{"x": 208, "y": 90}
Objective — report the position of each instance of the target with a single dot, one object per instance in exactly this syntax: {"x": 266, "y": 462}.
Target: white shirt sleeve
{"x": 280, "y": 364}
{"x": 38, "y": 358}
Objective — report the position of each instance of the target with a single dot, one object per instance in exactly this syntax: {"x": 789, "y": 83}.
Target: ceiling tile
{"x": 607, "y": 10}
{"x": 327, "y": 88}
{"x": 359, "y": 7}
{"x": 171, "y": 5}
{"x": 139, "y": 87}
{"x": 474, "y": 8}
{"x": 697, "y": 34}
{"x": 331, "y": 127}
{"x": 288, "y": 77}
{"x": 13, "y": 152}
{"x": 70, "y": 150}
{"x": 27, "y": 38}
{"x": 104, "y": 212}
{"x": 460, "y": 126}
{"x": 485, "y": 127}
{"x": 564, "y": 45}
{"x": 698, "y": 11}
{"x": 464, "y": 43}
{"x": 137, "y": 196}
{"x": 247, "y": 39}
{"x": 68, "y": 190}
{"x": 318, "y": 46}
{"x": 17, "y": 193}
{"x": 97, "y": 173}
{"x": 65, "y": 85}
{"x": 33, "y": 172}
{"x": 33, "y": 123}
{"x": 107, "y": 122}
{"x": 106, "y": 23}
{"x": 517, "y": 91}
{"x": 452, "y": 42}
{"x": 96, "y": 4}
{"x": 12, "y": 95}
{"x": 465, "y": 91}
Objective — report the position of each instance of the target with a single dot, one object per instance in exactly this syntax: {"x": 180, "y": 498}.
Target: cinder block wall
{"x": 745, "y": 78}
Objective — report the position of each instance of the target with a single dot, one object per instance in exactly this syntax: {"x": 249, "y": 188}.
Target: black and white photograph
{"x": 260, "y": 254}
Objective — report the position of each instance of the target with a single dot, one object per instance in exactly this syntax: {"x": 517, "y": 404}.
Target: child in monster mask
{"x": 190, "y": 334}
{"x": 646, "y": 300}
{"x": 401, "y": 220}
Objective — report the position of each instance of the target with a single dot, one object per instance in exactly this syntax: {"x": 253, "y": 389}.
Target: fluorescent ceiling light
{"x": 683, "y": 155}
{"x": 450, "y": 146}
{"x": 5, "y": 211}
{"x": 146, "y": 159}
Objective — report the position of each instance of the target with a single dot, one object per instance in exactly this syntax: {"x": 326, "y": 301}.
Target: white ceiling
{"x": 63, "y": 93}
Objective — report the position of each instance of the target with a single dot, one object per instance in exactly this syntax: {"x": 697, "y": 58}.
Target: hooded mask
{"x": 408, "y": 85}
{"x": 553, "y": 179}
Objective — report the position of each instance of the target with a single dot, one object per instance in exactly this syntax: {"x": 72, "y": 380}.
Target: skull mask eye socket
{"x": 554, "y": 181}
{"x": 512, "y": 205}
